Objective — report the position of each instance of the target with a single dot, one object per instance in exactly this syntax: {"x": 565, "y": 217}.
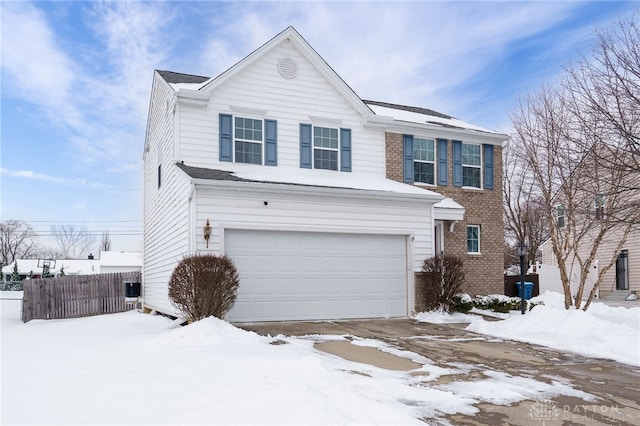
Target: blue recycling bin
{"x": 528, "y": 289}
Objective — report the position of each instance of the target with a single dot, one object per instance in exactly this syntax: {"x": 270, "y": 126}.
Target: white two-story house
{"x": 286, "y": 165}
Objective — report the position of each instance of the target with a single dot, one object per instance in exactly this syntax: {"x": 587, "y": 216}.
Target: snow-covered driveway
{"x": 134, "y": 368}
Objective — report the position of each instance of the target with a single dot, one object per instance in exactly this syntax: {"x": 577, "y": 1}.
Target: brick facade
{"x": 484, "y": 272}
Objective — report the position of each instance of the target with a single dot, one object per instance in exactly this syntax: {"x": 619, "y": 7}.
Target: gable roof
{"x": 417, "y": 110}
{"x": 309, "y": 53}
{"x": 176, "y": 77}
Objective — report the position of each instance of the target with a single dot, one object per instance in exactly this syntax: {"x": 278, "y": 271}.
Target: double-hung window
{"x": 248, "y": 140}
{"x": 560, "y": 215}
{"x": 600, "y": 201}
{"x": 424, "y": 160}
{"x": 325, "y": 148}
{"x": 473, "y": 239}
{"x": 471, "y": 164}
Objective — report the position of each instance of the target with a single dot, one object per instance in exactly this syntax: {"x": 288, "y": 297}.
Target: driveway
{"x": 616, "y": 385}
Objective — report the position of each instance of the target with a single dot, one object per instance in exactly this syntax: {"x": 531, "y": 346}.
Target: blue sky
{"x": 76, "y": 78}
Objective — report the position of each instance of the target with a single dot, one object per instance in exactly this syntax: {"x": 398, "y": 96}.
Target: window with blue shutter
{"x": 226, "y": 138}
{"x": 457, "y": 163}
{"x": 271, "y": 143}
{"x": 407, "y": 149}
{"x": 488, "y": 166}
{"x": 345, "y": 150}
{"x": 305, "y": 146}
{"x": 443, "y": 153}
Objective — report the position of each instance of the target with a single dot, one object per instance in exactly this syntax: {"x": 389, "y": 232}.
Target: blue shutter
{"x": 457, "y": 163}
{"x": 443, "y": 171}
{"x": 345, "y": 150}
{"x": 488, "y": 166}
{"x": 305, "y": 146}
{"x": 226, "y": 138}
{"x": 407, "y": 149}
{"x": 271, "y": 143}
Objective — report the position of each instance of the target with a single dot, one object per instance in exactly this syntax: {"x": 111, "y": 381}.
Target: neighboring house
{"x": 624, "y": 276}
{"x": 122, "y": 261}
{"x": 287, "y": 168}
{"x": 108, "y": 262}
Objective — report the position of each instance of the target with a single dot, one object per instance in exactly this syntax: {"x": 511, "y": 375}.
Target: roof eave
{"x": 396, "y": 126}
{"x": 285, "y": 188}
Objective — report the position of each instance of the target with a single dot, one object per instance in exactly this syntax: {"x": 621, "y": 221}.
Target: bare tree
{"x": 606, "y": 86}
{"x": 105, "y": 242}
{"x": 73, "y": 241}
{"x": 17, "y": 240}
{"x": 564, "y": 154}
{"x": 524, "y": 218}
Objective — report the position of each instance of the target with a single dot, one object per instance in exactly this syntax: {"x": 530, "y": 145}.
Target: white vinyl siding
{"x": 165, "y": 211}
{"x": 306, "y": 98}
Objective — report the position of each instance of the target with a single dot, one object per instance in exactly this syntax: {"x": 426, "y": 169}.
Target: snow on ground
{"x": 602, "y": 331}
{"x": 134, "y": 368}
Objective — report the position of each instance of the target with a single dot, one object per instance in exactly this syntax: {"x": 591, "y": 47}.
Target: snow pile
{"x": 132, "y": 368}
{"x": 602, "y": 331}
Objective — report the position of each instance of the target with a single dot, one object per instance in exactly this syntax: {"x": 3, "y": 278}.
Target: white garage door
{"x": 307, "y": 276}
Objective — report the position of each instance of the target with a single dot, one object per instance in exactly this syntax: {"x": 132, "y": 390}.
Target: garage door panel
{"x": 303, "y": 275}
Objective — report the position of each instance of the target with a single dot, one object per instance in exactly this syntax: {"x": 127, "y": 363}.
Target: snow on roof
{"x": 306, "y": 177}
{"x": 122, "y": 258}
{"x": 407, "y": 114}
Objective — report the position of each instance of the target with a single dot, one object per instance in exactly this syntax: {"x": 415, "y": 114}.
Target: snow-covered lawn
{"x": 134, "y": 368}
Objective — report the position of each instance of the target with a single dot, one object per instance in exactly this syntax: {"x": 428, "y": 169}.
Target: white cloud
{"x": 32, "y": 175}
{"x": 39, "y": 71}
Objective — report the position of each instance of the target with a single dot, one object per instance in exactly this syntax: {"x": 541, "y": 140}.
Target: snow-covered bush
{"x": 462, "y": 303}
{"x": 441, "y": 279}
{"x": 203, "y": 286}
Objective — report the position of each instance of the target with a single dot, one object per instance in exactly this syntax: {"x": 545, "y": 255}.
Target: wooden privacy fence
{"x": 74, "y": 296}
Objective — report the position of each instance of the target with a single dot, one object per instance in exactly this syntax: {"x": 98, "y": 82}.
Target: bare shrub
{"x": 441, "y": 279}
{"x": 203, "y": 286}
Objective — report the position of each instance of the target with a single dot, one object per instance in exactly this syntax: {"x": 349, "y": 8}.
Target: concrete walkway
{"x": 616, "y": 385}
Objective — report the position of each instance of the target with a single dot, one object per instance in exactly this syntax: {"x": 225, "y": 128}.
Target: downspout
{"x": 190, "y": 226}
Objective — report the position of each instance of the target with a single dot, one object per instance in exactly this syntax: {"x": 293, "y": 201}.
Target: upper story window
{"x": 471, "y": 165}
{"x": 560, "y": 215}
{"x": 424, "y": 160}
{"x": 600, "y": 201}
{"x": 325, "y": 148}
{"x": 248, "y": 140}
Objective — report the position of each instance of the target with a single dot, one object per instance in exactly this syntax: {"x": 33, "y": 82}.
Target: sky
{"x": 76, "y": 79}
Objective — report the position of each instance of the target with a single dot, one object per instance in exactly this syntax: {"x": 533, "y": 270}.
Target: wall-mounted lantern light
{"x": 207, "y": 232}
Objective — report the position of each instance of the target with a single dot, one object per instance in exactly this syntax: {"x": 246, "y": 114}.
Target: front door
{"x": 622, "y": 274}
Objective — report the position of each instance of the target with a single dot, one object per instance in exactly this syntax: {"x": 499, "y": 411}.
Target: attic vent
{"x": 287, "y": 68}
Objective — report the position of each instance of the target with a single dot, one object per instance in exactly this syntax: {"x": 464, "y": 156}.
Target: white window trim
{"x": 314, "y": 147}
{"x": 479, "y": 240}
{"x": 434, "y": 162}
{"x": 474, "y": 166}
{"x": 237, "y": 139}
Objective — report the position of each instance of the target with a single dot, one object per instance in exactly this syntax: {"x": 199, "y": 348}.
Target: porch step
{"x": 617, "y": 295}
